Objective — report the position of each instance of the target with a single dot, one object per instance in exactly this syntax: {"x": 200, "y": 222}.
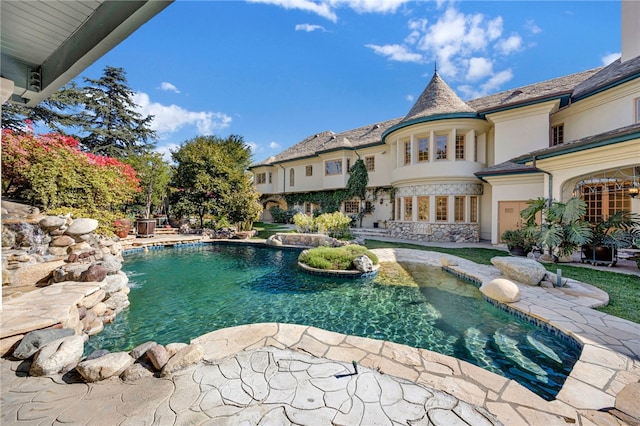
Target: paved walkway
{"x": 286, "y": 374}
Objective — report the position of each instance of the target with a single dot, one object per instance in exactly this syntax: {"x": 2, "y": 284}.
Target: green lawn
{"x": 623, "y": 290}
{"x": 265, "y": 230}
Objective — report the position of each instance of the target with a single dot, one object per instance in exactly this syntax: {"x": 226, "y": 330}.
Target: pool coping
{"x": 609, "y": 359}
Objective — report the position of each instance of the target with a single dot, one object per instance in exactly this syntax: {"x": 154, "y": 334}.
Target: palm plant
{"x": 562, "y": 230}
{"x": 619, "y": 230}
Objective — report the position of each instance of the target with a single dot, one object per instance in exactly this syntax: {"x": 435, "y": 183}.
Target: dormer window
{"x": 557, "y": 134}
{"x": 637, "y": 110}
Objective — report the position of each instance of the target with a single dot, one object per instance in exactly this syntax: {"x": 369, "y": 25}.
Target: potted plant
{"x": 518, "y": 241}
{"x": 617, "y": 231}
{"x": 562, "y": 231}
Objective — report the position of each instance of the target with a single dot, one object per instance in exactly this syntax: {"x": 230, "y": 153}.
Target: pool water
{"x": 179, "y": 294}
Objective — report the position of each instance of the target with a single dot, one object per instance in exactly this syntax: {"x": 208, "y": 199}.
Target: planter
{"x": 121, "y": 227}
{"x": 146, "y": 227}
{"x": 517, "y": 251}
{"x": 599, "y": 255}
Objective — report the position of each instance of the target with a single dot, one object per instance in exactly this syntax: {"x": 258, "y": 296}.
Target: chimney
{"x": 630, "y": 29}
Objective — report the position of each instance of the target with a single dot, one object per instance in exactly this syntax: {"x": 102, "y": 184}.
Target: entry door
{"x": 509, "y": 215}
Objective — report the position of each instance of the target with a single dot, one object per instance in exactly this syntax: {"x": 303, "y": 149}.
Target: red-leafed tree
{"x": 51, "y": 171}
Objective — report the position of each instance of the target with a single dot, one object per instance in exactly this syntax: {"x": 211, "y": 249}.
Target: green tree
{"x": 155, "y": 175}
{"x": 357, "y": 185}
{"x": 112, "y": 125}
{"x": 101, "y": 115}
{"x": 210, "y": 178}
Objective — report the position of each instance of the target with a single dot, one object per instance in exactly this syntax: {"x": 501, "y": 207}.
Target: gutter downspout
{"x": 550, "y": 198}
{"x": 284, "y": 179}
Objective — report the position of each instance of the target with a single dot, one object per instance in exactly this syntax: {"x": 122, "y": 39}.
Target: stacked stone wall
{"x": 435, "y": 232}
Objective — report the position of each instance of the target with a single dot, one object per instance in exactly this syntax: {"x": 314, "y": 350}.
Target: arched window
{"x": 292, "y": 177}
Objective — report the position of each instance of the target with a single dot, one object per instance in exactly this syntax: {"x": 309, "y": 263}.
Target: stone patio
{"x": 286, "y": 374}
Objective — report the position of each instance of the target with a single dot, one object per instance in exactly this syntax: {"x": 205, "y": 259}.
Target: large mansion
{"x": 461, "y": 171}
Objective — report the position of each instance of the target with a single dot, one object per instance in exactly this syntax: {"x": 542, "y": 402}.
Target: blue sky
{"x": 277, "y": 71}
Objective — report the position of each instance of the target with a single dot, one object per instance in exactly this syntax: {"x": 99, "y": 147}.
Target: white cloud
{"x": 274, "y": 145}
{"x": 370, "y": 6}
{"x": 468, "y": 49}
{"x": 609, "y": 58}
{"x": 509, "y": 45}
{"x": 168, "y": 87}
{"x": 309, "y": 27}
{"x": 166, "y": 149}
{"x": 479, "y": 68}
{"x": 490, "y": 86}
{"x": 326, "y": 8}
{"x": 532, "y": 27}
{"x": 320, "y": 9}
{"x": 395, "y": 52}
{"x": 253, "y": 147}
{"x": 171, "y": 118}
{"x": 410, "y": 98}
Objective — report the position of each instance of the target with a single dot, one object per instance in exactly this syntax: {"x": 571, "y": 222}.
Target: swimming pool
{"x": 179, "y": 294}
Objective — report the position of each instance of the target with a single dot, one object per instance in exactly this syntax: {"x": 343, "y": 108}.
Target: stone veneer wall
{"x": 435, "y": 232}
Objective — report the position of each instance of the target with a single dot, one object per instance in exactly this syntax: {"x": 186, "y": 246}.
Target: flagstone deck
{"x": 286, "y": 374}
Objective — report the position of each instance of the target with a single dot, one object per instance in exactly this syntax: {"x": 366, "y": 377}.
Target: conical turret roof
{"x": 437, "y": 99}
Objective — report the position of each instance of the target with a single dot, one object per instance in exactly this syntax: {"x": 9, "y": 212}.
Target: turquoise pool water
{"x": 179, "y": 294}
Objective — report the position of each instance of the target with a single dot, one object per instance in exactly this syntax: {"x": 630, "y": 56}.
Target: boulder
{"x": 185, "y": 357}
{"x": 111, "y": 264}
{"x": 49, "y": 223}
{"x": 502, "y": 290}
{"x": 363, "y": 263}
{"x": 136, "y": 372}
{"x": 173, "y": 348}
{"x": 526, "y": 271}
{"x": 93, "y": 299}
{"x": 158, "y": 356}
{"x": 56, "y": 356}
{"x": 274, "y": 240}
{"x": 63, "y": 241}
{"x": 82, "y": 226}
{"x": 95, "y": 273}
{"x": 137, "y": 352}
{"x": 109, "y": 365}
{"x": 117, "y": 301}
{"x": 34, "y": 340}
{"x": 99, "y": 308}
{"x": 96, "y": 354}
{"x": 80, "y": 248}
{"x": 115, "y": 283}
{"x": 69, "y": 272}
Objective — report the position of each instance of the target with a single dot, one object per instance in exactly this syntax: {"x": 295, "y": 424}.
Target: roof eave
{"x": 608, "y": 86}
{"x": 448, "y": 116}
{"x": 563, "y": 97}
{"x": 571, "y": 148}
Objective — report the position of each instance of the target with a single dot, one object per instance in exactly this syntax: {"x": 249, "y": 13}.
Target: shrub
{"x": 282, "y": 216}
{"x": 51, "y": 171}
{"x": 334, "y": 224}
{"x": 335, "y": 258}
{"x": 304, "y": 223}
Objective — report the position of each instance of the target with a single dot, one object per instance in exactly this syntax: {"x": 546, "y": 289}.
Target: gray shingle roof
{"x": 329, "y": 141}
{"x": 550, "y": 88}
{"x": 613, "y": 73}
{"x": 437, "y": 99}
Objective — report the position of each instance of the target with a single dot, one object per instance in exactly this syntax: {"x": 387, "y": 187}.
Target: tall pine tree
{"x": 101, "y": 115}
{"x": 111, "y": 124}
